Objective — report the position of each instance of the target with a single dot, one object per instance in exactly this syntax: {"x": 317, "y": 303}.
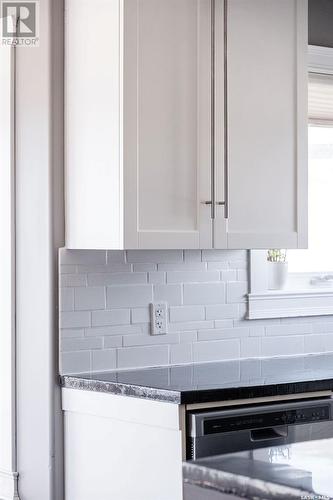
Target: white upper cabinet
{"x": 267, "y": 123}
{"x": 186, "y": 123}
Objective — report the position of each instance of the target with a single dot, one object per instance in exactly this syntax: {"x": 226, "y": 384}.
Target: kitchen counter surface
{"x": 295, "y": 471}
{"x": 207, "y": 382}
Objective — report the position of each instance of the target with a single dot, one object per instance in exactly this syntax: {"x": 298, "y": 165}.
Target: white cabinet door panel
{"x": 92, "y": 125}
{"x": 167, "y": 123}
{"x": 267, "y": 144}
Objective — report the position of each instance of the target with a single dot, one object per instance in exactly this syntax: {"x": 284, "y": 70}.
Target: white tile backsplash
{"x": 104, "y": 311}
{"x": 86, "y": 299}
{"x": 128, "y": 296}
{"x": 143, "y": 356}
{"x": 204, "y": 293}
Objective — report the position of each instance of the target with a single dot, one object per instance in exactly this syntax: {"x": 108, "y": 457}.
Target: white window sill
{"x": 298, "y": 299}
{"x": 290, "y": 303}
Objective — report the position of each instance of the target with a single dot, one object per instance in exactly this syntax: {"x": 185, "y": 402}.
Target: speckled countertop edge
{"x": 117, "y": 388}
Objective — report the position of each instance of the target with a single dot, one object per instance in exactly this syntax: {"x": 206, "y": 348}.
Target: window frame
{"x": 310, "y": 301}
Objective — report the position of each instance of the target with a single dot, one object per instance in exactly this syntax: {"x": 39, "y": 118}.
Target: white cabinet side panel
{"x": 92, "y": 119}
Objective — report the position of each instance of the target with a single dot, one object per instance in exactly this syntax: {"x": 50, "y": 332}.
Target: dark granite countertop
{"x": 294, "y": 471}
{"x": 207, "y": 382}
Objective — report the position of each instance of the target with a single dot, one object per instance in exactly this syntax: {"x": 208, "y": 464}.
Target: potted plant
{"x": 277, "y": 269}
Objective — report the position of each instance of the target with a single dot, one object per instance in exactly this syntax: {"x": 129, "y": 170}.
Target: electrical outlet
{"x": 158, "y": 318}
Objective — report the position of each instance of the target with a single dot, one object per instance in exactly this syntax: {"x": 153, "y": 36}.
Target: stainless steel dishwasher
{"x": 219, "y": 431}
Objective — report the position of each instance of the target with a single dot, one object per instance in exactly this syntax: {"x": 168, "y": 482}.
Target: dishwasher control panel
{"x": 228, "y": 430}
{"x": 266, "y": 419}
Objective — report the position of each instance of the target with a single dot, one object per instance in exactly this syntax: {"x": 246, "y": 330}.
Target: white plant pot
{"x": 277, "y": 275}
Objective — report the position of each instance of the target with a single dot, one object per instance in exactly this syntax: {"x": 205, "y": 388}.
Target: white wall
{"x": 7, "y": 281}
{"x": 104, "y": 302}
{"x": 39, "y": 232}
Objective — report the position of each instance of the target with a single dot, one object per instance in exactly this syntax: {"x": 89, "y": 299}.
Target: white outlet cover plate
{"x": 158, "y": 318}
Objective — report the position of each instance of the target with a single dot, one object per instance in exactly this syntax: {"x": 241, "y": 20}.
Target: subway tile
{"x": 75, "y": 362}
{"x": 187, "y": 313}
{"x": 183, "y": 266}
{"x": 66, "y": 299}
{"x": 318, "y": 343}
{"x": 188, "y": 337}
{"x": 82, "y": 256}
{"x": 219, "y": 266}
{"x": 100, "y": 331}
{"x": 89, "y": 298}
{"x": 144, "y": 267}
{"x": 132, "y": 357}
{"x": 282, "y": 346}
{"x": 154, "y": 256}
{"x": 216, "y": 351}
{"x": 238, "y": 264}
{"x": 172, "y": 294}
{"x": 242, "y": 274}
{"x": 315, "y": 343}
{"x": 128, "y": 295}
{"x": 156, "y": 278}
{"x": 299, "y": 329}
{"x": 190, "y": 325}
{"x": 250, "y": 347}
{"x": 222, "y": 311}
{"x": 223, "y": 333}
{"x": 104, "y": 360}
{"x": 192, "y": 255}
{"x": 257, "y": 331}
{"x": 253, "y": 323}
{"x": 205, "y": 293}
{"x": 192, "y": 276}
{"x": 83, "y": 344}
{"x": 67, "y": 269}
{"x": 181, "y": 353}
{"x": 112, "y": 267}
{"x": 72, "y": 280}
{"x": 67, "y": 333}
{"x": 236, "y": 291}
{"x": 104, "y": 279}
{"x": 224, "y": 323}
{"x": 74, "y": 319}
{"x": 140, "y": 315}
{"x": 113, "y": 341}
{"x": 229, "y": 275}
{"x": 133, "y": 340}
{"x": 118, "y": 256}
{"x": 109, "y": 318}
{"x": 322, "y": 327}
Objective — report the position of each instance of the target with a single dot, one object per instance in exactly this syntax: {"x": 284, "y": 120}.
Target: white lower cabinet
{"x": 186, "y": 124}
{"x": 121, "y": 448}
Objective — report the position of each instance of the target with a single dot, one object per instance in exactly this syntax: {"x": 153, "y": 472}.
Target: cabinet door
{"x": 167, "y": 51}
{"x": 267, "y": 123}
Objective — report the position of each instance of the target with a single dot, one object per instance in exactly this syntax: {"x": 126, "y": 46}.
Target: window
{"x": 318, "y": 258}
{"x": 309, "y": 289}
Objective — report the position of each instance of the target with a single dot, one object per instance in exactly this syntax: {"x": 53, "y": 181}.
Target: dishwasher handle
{"x": 269, "y": 433}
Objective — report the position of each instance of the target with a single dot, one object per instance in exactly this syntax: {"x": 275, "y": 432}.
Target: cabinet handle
{"x": 214, "y": 203}
{"x": 220, "y": 203}
{"x": 212, "y": 111}
{"x": 226, "y": 132}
